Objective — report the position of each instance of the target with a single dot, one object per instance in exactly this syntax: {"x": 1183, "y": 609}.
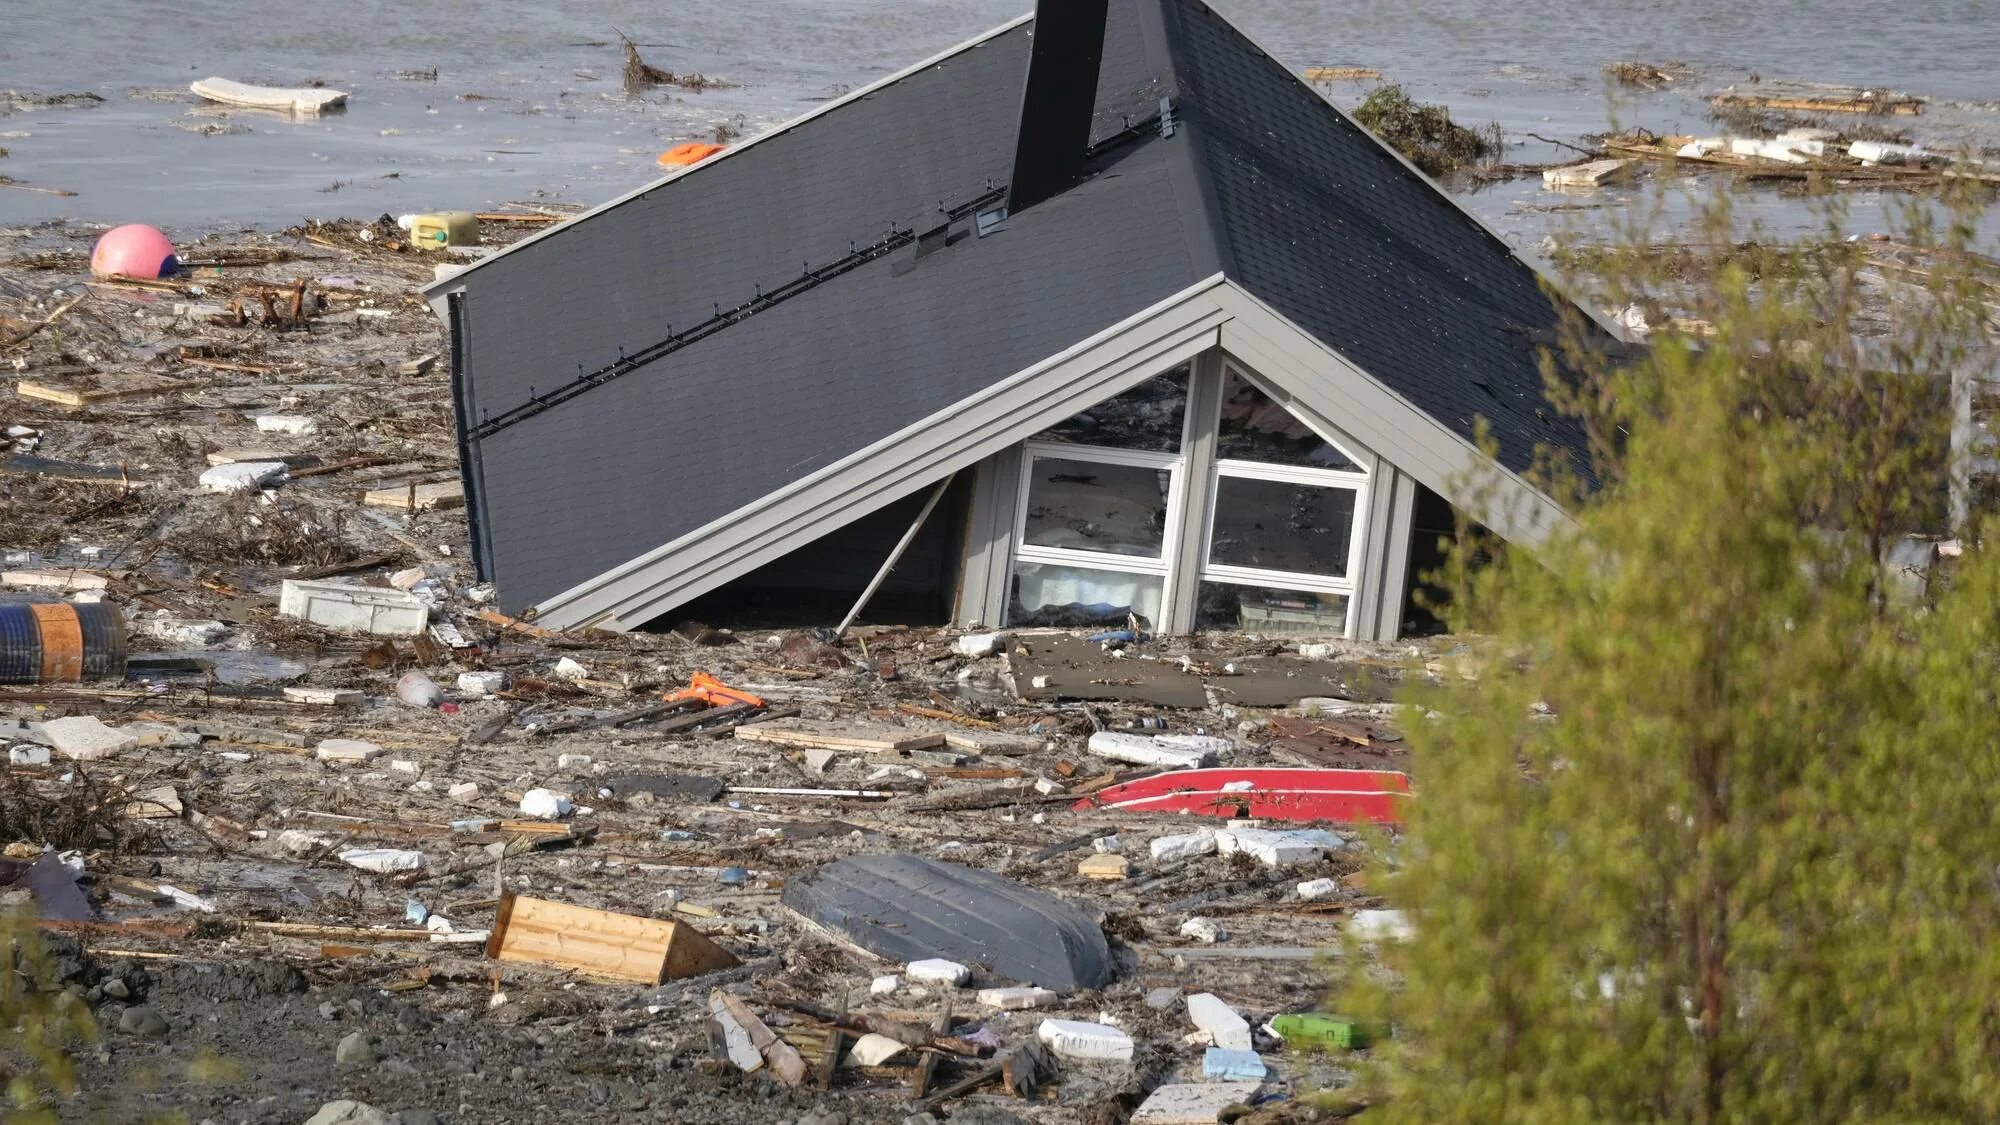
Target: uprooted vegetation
{"x": 85, "y": 813}
{"x": 1648, "y": 76}
{"x": 244, "y": 528}
{"x": 639, "y": 74}
{"x": 44, "y": 512}
{"x": 1425, "y": 134}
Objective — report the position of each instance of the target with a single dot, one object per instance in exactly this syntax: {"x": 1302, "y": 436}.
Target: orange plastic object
{"x": 714, "y": 692}
{"x": 692, "y": 152}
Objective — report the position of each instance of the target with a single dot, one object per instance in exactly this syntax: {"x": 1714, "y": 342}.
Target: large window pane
{"x": 1256, "y": 428}
{"x": 1094, "y": 506}
{"x": 1147, "y": 417}
{"x": 1279, "y": 525}
{"x": 1259, "y": 609}
{"x": 1076, "y": 597}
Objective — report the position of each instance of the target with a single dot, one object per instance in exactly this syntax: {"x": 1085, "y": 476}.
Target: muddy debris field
{"x": 361, "y": 848}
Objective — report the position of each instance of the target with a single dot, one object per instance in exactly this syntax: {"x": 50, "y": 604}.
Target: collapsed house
{"x": 1104, "y": 314}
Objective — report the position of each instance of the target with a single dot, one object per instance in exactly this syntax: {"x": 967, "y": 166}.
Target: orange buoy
{"x": 692, "y": 152}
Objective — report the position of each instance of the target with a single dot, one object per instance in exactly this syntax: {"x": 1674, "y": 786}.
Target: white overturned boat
{"x": 306, "y": 99}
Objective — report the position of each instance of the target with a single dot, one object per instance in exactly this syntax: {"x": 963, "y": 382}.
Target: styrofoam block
{"x": 345, "y": 750}
{"x": 1192, "y": 1103}
{"x": 937, "y": 970}
{"x": 1314, "y": 889}
{"x": 1185, "y": 846}
{"x": 1016, "y": 999}
{"x": 1141, "y": 750}
{"x": 240, "y": 476}
{"x": 287, "y": 424}
{"x": 1076, "y": 1039}
{"x": 85, "y": 738}
{"x": 482, "y": 683}
{"x": 1278, "y": 848}
{"x": 1225, "y": 1028}
{"x": 1223, "y": 1063}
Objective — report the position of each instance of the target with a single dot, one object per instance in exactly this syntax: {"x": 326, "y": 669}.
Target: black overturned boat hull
{"x": 908, "y": 908}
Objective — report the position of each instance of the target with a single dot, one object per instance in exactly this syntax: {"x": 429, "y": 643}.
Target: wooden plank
{"x": 1857, "y": 102}
{"x": 418, "y": 498}
{"x": 1341, "y": 73}
{"x": 495, "y": 617}
{"x": 101, "y": 389}
{"x": 995, "y": 741}
{"x": 701, "y": 718}
{"x": 840, "y": 736}
{"x": 50, "y": 578}
{"x": 600, "y": 942}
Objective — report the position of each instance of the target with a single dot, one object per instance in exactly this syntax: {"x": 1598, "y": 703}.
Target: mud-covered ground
{"x": 236, "y": 967}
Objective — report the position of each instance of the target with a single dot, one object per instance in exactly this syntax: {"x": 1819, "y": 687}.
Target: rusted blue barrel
{"x": 63, "y": 643}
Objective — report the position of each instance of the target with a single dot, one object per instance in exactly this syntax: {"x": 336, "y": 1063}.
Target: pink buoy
{"x": 133, "y": 250}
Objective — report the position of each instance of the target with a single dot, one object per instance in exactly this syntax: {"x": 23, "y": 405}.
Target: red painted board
{"x": 1347, "y": 796}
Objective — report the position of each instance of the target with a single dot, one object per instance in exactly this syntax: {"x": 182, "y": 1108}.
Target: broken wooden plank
{"x": 1341, "y": 73}
{"x": 742, "y": 1027}
{"x": 495, "y": 617}
{"x": 417, "y": 497}
{"x": 1020, "y": 1069}
{"x": 621, "y": 946}
{"x": 101, "y": 389}
{"x": 52, "y": 578}
{"x": 840, "y": 736}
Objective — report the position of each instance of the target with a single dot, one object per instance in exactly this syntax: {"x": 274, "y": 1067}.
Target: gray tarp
{"x": 908, "y": 908}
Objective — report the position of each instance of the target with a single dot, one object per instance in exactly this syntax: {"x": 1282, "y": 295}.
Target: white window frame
{"x": 1175, "y": 464}
{"x": 1352, "y": 480}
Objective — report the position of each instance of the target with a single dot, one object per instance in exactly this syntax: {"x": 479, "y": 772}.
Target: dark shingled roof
{"x": 1265, "y": 180}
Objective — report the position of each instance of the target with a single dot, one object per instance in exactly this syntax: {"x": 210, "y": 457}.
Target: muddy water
{"x": 527, "y": 103}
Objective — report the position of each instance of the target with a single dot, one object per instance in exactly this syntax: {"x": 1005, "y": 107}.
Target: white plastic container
{"x": 352, "y": 608}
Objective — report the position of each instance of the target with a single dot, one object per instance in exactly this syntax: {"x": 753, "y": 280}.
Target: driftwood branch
{"x": 1565, "y": 144}
{"x": 23, "y": 335}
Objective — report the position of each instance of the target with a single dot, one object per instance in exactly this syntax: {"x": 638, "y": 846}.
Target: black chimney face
{"x": 1059, "y": 100}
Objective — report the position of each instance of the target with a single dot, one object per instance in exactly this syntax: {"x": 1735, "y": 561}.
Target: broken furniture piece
{"x": 646, "y": 950}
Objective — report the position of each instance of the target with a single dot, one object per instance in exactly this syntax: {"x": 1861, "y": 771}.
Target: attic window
{"x": 1150, "y": 416}
{"x": 985, "y": 221}
{"x": 1256, "y": 428}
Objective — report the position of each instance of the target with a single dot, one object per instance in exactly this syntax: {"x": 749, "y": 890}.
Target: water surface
{"x": 527, "y": 103}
